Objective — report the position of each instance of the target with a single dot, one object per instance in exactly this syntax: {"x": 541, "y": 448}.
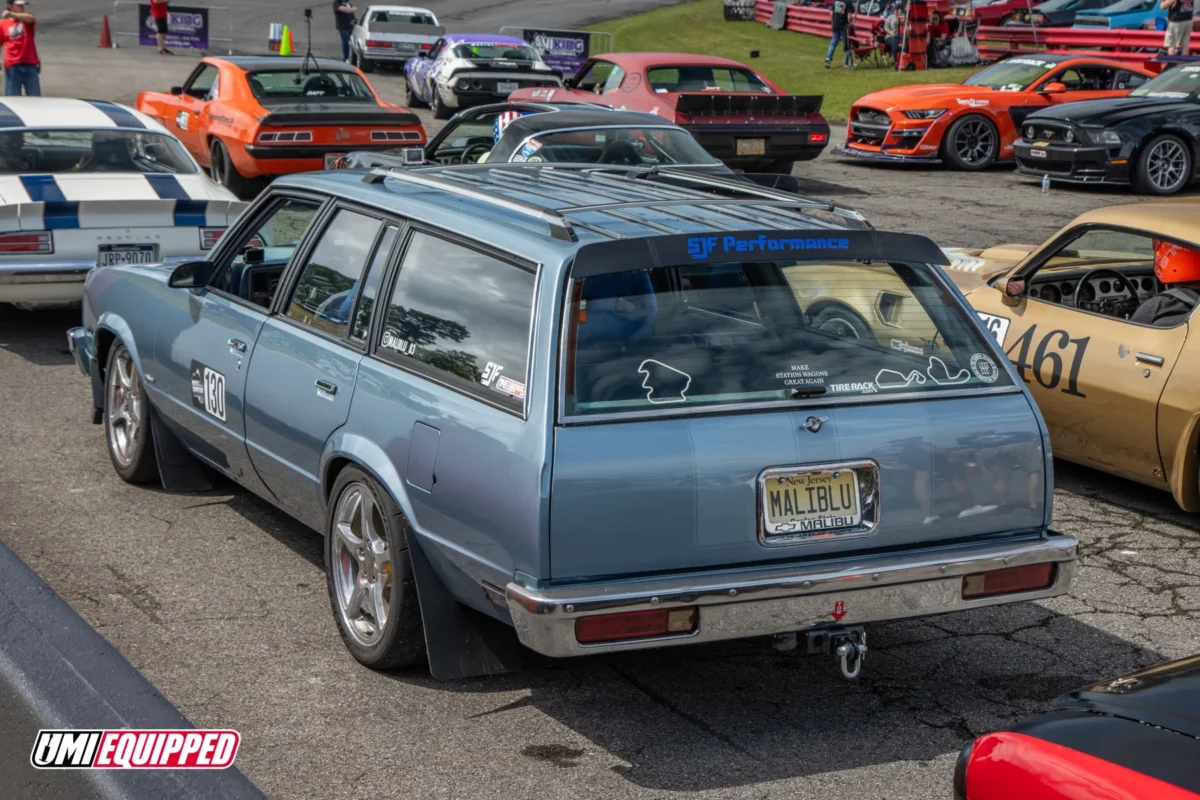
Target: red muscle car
{"x": 737, "y": 114}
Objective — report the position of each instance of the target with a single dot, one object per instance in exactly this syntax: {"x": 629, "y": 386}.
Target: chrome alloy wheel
{"x": 125, "y": 411}
{"x": 362, "y": 566}
{"x": 840, "y": 327}
{"x": 1166, "y": 165}
{"x": 975, "y": 141}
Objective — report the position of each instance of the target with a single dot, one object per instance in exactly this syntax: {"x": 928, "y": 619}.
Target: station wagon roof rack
{"x": 550, "y": 194}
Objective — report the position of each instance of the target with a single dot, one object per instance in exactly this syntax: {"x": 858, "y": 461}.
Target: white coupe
{"x": 87, "y": 184}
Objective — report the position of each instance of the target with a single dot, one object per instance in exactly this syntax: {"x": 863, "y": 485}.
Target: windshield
{"x": 501, "y": 51}
{"x": 296, "y": 85}
{"x": 706, "y": 79}
{"x": 1125, "y": 5}
{"x": 103, "y": 150}
{"x": 1013, "y": 75}
{"x": 632, "y": 146}
{"x": 1177, "y": 83}
{"x": 718, "y": 334}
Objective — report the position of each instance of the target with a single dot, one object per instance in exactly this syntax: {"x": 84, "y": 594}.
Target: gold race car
{"x": 1096, "y": 322}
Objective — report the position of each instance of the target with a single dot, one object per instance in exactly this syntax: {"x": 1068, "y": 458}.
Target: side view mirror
{"x": 568, "y": 83}
{"x": 177, "y": 91}
{"x": 1011, "y": 291}
{"x": 1054, "y": 88}
{"x": 192, "y": 275}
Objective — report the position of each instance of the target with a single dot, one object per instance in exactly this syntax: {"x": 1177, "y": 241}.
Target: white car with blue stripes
{"x": 87, "y": 184}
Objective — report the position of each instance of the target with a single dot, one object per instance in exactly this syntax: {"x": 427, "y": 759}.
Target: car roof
{"x": 643, "y": 60}
{"x": 1175, "y": 218}
{"x": 65, "y": 112}
{"x": 582, "y": 116}
{"x": 401, "y": 9}
{"x": 282, "y": 63}
{"x": 482, "y": 38}
{"x": 547, "y": 213}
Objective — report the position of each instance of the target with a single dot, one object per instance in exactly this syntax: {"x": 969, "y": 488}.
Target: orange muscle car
{"x": 971, "y": 125}
{"x": 249, "y": 119}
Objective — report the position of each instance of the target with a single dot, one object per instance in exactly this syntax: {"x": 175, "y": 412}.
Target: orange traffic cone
{"x": 105, "y": 34}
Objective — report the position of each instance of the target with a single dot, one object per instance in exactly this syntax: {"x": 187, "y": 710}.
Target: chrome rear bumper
{"x": 747, "y": 603}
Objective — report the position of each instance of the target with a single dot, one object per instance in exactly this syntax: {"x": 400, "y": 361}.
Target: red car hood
{"x": 934, "y": 95}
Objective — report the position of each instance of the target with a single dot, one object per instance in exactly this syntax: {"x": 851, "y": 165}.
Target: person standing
{"x": 343, "y": 14}
{"x": 22, "y": 68}
{"x": 891, "y": 33}
{"x": 839, "y": 22}
{"x": 1179, "y": 27}
{"x": 158, "y": 12}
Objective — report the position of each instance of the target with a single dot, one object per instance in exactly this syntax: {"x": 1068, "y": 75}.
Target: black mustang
{"x": 1151, "y": 138}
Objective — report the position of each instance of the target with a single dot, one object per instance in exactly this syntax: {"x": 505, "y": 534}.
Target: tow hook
{"x": 847, "y": 645}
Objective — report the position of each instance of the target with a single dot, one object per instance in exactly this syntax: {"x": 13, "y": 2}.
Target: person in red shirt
{"x": 158, "y": 11}
{"x": 22, "y": 67}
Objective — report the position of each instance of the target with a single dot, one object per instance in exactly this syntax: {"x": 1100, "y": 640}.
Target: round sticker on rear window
{"x": 984, "y": 368}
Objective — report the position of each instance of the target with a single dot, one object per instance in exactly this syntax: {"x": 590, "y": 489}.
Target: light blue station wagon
{"x": 605, "y": 408}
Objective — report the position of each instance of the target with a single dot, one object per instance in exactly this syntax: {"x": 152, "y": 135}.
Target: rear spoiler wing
{"x": 754, "y": 105}
{"x": 330, "y": 115}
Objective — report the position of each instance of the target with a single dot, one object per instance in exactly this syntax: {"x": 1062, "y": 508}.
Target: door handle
{"x": 326, "y": 387}
{"x": 238, "y": 344}
{"x": 1147, "y": 358}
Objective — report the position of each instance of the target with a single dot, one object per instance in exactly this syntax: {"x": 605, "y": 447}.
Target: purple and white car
{"x": 471, "y": 69}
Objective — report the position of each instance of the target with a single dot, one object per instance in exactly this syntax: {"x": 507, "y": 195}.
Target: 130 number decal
{"x": 1048, "y": 357}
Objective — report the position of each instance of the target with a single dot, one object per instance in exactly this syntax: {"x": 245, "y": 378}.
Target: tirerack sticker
{"x": 208, "y": 390}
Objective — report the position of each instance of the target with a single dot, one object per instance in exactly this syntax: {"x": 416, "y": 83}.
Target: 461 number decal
{"x": 1050, "y": 356}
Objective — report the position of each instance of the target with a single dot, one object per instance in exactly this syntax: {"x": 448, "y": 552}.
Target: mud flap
{"x": 460, "y": 642}
{"x": 178, "y": 470}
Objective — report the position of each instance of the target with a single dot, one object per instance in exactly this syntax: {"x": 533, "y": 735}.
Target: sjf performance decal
{"x": 208, "y": 390}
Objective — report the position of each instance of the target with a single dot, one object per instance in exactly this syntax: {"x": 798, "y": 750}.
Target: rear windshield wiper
{"x": 806, "y": 391}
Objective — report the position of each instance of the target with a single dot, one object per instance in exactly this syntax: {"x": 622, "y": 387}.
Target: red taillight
{"x": 426, "y": 47}
{"x": 209, "y": 237}
{"x": 1008, "y": 581}
{"x": 42, "y": 242}
{"x": 818, "y": 138}
{"x": 373, "y": 43}
{"x": 636, "y": 625}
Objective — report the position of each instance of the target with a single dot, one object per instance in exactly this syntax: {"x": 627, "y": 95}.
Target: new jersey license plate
{"x": 507, "y": 87}
{"x": 751, "y": 147}
{"x": 810, "y": 503}
{"x": 1035, "y": 153}
{"x": 119, "y": 255}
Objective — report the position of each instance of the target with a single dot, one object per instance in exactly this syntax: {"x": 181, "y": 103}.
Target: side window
{"x": 202, "y": 82}
{"x": 254, "y": 263}
{"x": 595, "y": 76}
{"x": 462, "y": 317}
{"x": 613, "y": 82}
{"x": 328, "y": 284}
{"x": 370, "y": 292}
{"x": 471, "y": 138}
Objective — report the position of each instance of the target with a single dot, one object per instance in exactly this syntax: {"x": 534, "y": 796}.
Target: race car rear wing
{"x": 748, "y": 105}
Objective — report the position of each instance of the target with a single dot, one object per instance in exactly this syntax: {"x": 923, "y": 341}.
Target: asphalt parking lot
{"x": 220, "y": 601}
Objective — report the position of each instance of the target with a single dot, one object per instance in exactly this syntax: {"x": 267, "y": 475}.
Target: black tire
{"x": 841, "y": 321}
{"x": 972, "y": 143}
{"x": 1004, "y": 20}
{"x": 402, "y": 639}
{"x": 353, "y": 57}
{"x": 224, "y": 172}
{"x": 128, "y": 434}
{"x": 781, "y": 167}
{"x": 366, "y": 64}
{"x": 1163, "y": 166}
{"x": 410, "y": 97}
{"x": 437, "y": 106}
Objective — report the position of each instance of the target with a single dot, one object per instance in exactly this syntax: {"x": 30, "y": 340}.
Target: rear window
{"x": 404, "y": 17}
{"x": 296, "y": 85}
{"x": 721, "y": 334}
{"x": 501, "y": 51}
{"x": 79, "y": 150}
{"x": 705, "y": 79}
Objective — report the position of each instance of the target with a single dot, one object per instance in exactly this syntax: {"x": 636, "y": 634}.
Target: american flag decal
{"x": 502, "y": 121}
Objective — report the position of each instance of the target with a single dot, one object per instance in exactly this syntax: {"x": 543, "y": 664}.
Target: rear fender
{"x": 465, "y": 634}
{"x": 1184, "y": 470}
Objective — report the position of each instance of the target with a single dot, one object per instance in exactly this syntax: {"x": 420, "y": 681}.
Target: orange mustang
{"x": 249, "y": 119}
{"x": 972, "y": 124}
